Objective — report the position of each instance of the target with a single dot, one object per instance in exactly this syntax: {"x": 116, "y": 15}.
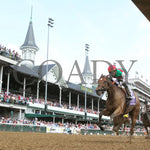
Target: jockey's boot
{"x": 128, "y": 93}
{"x": 128, "y": 97}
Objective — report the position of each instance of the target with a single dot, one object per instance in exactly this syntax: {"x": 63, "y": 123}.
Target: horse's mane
{"x": 109, "y": 78}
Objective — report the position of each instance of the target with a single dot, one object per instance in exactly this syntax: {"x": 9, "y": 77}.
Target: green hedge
{"x": 22, "y": 128}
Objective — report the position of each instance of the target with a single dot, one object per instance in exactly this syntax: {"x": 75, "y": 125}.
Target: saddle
{"x": 123, "y": 89}
{"x": 131, "y": 101}
{"x": 126, "y": 92}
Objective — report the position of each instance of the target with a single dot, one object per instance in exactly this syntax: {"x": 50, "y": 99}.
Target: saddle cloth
{"x": 133, "y": 100}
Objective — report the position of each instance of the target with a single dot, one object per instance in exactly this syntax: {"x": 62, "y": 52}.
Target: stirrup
{"x": 128, "y": 98}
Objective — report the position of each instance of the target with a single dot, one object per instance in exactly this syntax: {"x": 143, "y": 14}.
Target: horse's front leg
{"x": 100, "y": 124}
{"x": 104, "y": 112}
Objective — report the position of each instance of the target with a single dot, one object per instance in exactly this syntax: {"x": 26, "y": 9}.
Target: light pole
{"x": 86, "y": 51}
{"x": 85, "y": 101}
{"x": 50, "y": 24}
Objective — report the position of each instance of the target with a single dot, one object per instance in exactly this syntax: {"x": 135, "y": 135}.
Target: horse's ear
{"x": 101, "y": 75}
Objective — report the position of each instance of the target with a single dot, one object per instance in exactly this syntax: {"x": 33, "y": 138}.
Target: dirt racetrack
{"x": 49, "y": 141}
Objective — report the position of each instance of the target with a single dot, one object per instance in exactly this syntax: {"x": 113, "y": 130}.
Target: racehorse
{"x": 118, "y": 121}
{"x": 116, "y": 104}
{"x": 146, "y": 121}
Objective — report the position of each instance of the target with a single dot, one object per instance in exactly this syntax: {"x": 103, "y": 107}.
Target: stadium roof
{"x": 25, "y": 70}
{"x": 37, "y": 71}
{"x": 144, "y": 7}
{"x": 41, "y": 70}
{"x": 77, "y": 87}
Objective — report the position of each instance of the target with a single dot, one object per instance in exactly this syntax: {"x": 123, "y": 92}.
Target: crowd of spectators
{"x": 37, "y": 122}
{"x": 15, "y": 98}
{"x": 12, "y": 54}
{"x": 65, "y": 105}
{"x": 78, "y": 126}
{"x": 19, "y": 99}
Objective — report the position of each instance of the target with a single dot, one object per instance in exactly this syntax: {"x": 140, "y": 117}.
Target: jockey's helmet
{"x": 112, "y": 68}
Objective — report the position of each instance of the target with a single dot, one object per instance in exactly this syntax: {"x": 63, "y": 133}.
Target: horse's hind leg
{"x": 134, "y": 116}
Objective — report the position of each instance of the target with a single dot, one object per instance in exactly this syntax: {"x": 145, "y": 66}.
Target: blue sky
{"x": 114, "y": 29}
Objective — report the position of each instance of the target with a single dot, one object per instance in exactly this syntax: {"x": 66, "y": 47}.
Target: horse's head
{"x": 104, "y": 84}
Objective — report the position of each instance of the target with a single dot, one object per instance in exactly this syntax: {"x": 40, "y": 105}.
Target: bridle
{"x": 104, "y": 88}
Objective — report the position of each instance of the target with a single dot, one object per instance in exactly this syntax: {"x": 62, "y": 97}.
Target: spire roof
{"x": 87, "y": 69}
{"x": 29, "y": 40}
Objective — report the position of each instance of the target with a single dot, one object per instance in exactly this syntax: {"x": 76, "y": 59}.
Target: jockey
{"x": 120, "y": 79}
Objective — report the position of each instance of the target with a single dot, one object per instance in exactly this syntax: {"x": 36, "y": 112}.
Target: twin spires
{"x": 30, "y": 40}
{"x": 29, "y": 48}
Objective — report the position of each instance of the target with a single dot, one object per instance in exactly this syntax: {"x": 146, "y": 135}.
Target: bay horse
{"x": 116, "y": 103}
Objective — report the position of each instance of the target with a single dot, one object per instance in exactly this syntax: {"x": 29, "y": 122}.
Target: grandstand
{"x": 70, "y": 106}
{"x": 142, "y": 89}
{"x": 22, "y": 89}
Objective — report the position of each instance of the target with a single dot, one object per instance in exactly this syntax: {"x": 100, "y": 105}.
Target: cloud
{"x": 144, "y": 53}
{"x": 143, "y": 24}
